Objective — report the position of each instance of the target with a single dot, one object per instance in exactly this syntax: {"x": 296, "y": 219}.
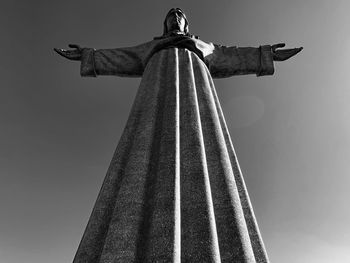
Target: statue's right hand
{"x": 72, "y": 54}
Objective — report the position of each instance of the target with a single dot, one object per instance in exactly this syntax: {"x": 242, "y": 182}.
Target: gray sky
{"x": 59, "y": 131}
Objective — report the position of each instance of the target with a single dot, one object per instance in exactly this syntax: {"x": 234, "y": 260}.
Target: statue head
{"x": 175, "y": 20}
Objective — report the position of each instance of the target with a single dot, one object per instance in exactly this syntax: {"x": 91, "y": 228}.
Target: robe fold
{"x": 174, "y": 191}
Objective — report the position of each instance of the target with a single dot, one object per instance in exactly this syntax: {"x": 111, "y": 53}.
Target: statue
{"x": 174, "y": 191}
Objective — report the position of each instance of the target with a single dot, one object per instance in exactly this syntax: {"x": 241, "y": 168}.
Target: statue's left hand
{"x": 72, "y": 54}
{"x": 283, "y": 54}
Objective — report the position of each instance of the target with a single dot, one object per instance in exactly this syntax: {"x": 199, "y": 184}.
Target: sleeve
{"x": 228, "y": 61}
{"x": 128, "y": 62}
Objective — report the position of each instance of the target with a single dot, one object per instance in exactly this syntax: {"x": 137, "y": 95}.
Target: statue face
{"x": 175, "y": 20}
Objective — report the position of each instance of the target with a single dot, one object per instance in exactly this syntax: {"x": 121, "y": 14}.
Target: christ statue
{"x": 174, "y": 191}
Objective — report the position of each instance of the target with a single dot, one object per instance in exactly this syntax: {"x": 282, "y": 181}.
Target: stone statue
{"x": 174, "y": 191}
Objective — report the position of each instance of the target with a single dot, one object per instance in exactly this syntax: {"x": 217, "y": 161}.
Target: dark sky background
{"x": 59, "y": 131}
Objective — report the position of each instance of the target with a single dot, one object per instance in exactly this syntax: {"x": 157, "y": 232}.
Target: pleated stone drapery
{"x": 174, "y": 191}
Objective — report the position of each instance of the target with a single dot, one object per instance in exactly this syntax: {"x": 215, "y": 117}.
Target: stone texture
{"x": 174, "y": 191}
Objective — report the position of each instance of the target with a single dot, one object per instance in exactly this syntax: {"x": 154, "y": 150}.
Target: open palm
{"x": 72, "y": 54}
{"x": 283, "y": 54}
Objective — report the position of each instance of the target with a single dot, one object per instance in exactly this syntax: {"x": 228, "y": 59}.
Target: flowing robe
{"x": 174, "y": 191}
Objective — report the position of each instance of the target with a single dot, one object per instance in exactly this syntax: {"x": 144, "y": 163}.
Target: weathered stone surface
{"x": 174, "y": 191}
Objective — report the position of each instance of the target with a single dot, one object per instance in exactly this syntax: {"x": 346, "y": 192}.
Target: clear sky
{"x": 58, "y": 131}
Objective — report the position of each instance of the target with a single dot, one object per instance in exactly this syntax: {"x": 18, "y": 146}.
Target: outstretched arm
{"x": 127, "y": 61}
{"x": 229, "y": 61}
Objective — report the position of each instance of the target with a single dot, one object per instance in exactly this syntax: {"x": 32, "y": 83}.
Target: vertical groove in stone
{"x": 215, "y": 244}
{"x": 199, "y": 241}
{"x": 234, "y": 241}
{"x": 160, "y": 220}
{"x": 177, "y": 232}
{"x": 257, "y": 243}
